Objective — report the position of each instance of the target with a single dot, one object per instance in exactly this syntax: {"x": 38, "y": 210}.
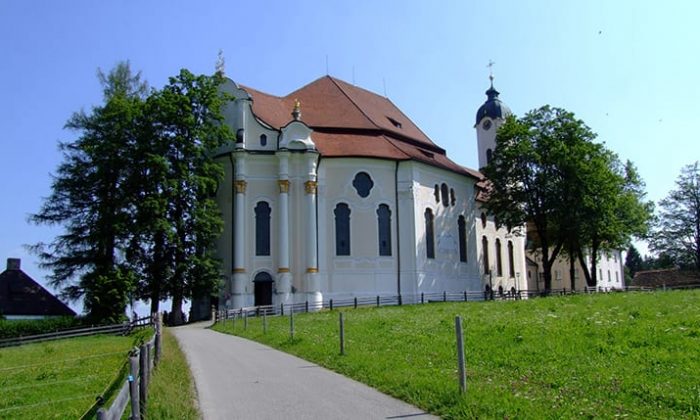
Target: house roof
{"x": 349, "y": 121}
{"x": 668, "y": 277}
{"x": 21, "y": 295}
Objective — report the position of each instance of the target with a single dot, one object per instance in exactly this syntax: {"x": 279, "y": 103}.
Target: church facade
{"x": 332, "y": 192}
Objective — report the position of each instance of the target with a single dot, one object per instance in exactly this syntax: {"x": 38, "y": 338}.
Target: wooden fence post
{"x": 134, "y": 385}
{"x": 306, "y": 306}
{"x": 281, "y": 309}
{"x": 342, "y": 335}
{"x": 291, "y": 323}
{"x": 144, "y": 366}
{"x": 331, "y": 303}
{"x": 265, "y": 322}
{"x": 460, "y": 355}
{"x": 400, "y": 300}
{"x": 159, "y": 336}
{"x": 355, "y": 302}
{"x": 377, "y": 301}
{"x": 245, "y": 321}
{"x": 422, "y": 297}
{"x": 465, "y": 295}
{"x": 444, "y": 296}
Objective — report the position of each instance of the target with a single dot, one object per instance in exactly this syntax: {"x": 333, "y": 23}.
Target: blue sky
{"x": 627, "y": 68}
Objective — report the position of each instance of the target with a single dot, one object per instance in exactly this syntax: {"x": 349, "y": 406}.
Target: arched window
{"x": 462, "y": 229}
{"x": 262, "y": 228}
{"x": 436, "y": 192}
{"x": 263, "y": 140}
{"x": 489, "y": 155}
{"x": 483, "y": 219}
{"x": 485, "y": 250}
{"x": 429, "y": 234}
{"x": 511, "y": 260}
{"x": 384, "y": 229}
{"x": 445, "y": 197}
{"x": 499, "y": 265}
{"x": 453, "y": 200}
{"x": 342, "y": 229}
{"x": 363, "y": 184}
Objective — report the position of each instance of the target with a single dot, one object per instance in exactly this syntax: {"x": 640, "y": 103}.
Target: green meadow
{"x": 62, "y": 378}
{"x": 634, "y": 355}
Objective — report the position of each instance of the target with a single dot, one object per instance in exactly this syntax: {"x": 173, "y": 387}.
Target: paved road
{"x": 241, "y": 379}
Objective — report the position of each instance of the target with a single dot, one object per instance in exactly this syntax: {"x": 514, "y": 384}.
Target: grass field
{"x": 633, "y": 355}
{"x": 60, "y": 379}
{"x": 171, "y": 392}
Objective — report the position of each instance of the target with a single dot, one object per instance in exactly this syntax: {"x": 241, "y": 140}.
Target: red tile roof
{"x": 349, "y": 121}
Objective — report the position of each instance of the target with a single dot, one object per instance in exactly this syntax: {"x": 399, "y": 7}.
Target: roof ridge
{"x": 355, "y": 103}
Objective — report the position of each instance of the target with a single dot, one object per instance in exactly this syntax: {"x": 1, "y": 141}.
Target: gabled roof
{"x": 349, "y": 121}
{"x": 667, "y": 277}
{"x": 21, "y": 295}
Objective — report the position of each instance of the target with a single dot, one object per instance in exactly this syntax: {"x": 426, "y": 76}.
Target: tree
{"x": 634, "y": 261}
{"x": 677, "y": 230}
{"x": 575, "y": 196}
{"x": 612, "y": 211}
{"x": 178, "y": 219}
{"x": 89, "y": 201}
{"x": 530, "y": 176}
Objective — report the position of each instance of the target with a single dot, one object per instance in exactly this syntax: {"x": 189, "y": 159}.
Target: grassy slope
{"x": 627, "y": 354}
{"x": 59, "y": 379}
{"x": 171, "y": 391}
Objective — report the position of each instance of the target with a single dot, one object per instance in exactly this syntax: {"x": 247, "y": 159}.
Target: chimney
{"x": 13, "y": 263}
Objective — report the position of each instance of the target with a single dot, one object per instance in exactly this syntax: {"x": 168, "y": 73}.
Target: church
{"x": 331, "y": 192}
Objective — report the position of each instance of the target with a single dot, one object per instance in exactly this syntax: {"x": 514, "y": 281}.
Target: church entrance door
{"x": 263, "y": 289}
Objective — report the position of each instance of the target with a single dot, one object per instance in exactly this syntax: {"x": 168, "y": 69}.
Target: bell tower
{"x": 491, "y": 115}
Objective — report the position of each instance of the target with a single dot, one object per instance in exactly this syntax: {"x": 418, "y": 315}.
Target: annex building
{"x": 332, "y": 192}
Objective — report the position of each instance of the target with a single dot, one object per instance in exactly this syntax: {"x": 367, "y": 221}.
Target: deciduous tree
{"x": 677, "y": 230}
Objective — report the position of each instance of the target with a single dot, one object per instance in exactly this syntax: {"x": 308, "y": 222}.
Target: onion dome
{"x": 493, "y": 107}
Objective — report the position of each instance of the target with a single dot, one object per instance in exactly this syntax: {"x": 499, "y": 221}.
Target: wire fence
{"x": 423, "y": 298}
{"x": 124, "y": 328}
{"x": 65, "y": 381}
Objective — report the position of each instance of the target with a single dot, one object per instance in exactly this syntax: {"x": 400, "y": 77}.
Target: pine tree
{"x": 88, "y": 200}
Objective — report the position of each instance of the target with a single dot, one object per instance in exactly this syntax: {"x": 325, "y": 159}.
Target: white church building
{"x": 332, "y": 192}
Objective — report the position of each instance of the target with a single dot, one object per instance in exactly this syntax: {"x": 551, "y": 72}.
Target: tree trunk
{"x": 594, "y": 262}
{"x": 176, "y": 309}
{"x": 584, "y": 267}
{"x": 572, "y": 268}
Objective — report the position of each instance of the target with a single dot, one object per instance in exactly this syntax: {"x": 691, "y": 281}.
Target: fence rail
{"x": 422, "y": 298}
{"x": 134, "y": 388}
{"x": 120, "y": 329}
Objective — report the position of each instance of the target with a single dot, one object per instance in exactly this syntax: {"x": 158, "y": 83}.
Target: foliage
{"x": 639, "y": 359}
{"x": 575, "y": 195}
{"x": 532, "y": 175}
{"x": 59, "y": 379}
{"x": 677, "y": 231}
{"x": 87, "y": 199}
{"x": 633, "y": 261}
{"x": 24, "y": 327}
{"x": 171, "y": 392}
{"x": 135, "y": 196}
{"x": 176, "y": 216}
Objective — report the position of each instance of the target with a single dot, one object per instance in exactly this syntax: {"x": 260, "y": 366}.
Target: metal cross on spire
{"x": 490, "y": 66}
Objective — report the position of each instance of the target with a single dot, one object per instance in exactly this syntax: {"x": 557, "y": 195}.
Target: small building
{"x": 672, "y": 277}
{"x": 23, "y": 298}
